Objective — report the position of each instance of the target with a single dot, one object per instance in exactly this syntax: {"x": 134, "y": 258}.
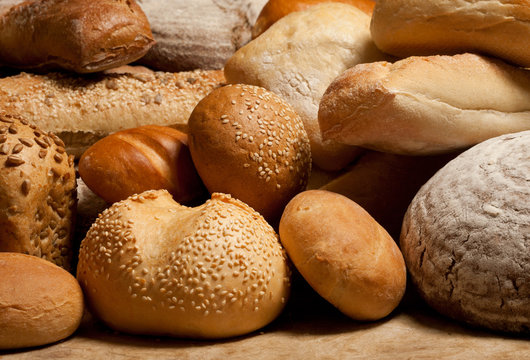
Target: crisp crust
{"x": 426, "y": 105}
{"x": 499, "y": 28}
{"x": 465, "y": 236}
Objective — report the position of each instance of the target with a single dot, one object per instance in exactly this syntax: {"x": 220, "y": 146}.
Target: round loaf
{"x": 135, "y": 160}
{"x": 37, "y": 192}
{"x": 248, "y": 142}
{"x": 274, "y": 10}
{"x": 151, "y": 266}
{"x": 344, "y": 254}
{"x": 40, "y": 303}
{"x": 465, "y": 236}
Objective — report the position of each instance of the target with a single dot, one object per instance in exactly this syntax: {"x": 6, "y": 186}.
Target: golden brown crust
{"x": 78, "y": 35}
{"x": 248, "y": 142}
{"x": 40, "y": 303}
{"x": 135, "y": 160}
{"x": 37, "y": 183}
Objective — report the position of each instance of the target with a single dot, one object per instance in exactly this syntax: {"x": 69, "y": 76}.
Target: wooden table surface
{"x": 309, "y": 328}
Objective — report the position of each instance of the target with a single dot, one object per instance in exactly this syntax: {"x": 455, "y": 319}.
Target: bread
{"x": 299, "y": 56}
{"x": 276, "y": 9}
{"x": 199, "y": 34}
{"x": 247, "y": 142}
{"x": 497, "y": 28}
{"x": 151, "y": 266}
{"x": 384, "y": 184}
{"x": 77, "y": 35}
{"x": 426, "y": 105}
{"x": 82, "y": 110}
{"x": 40, "y": 302}
{"x": 135, "y": 160}
{"x": 465, "y": 236}
{"x": 37, "y": 187}
{"x": 344, "y": 254}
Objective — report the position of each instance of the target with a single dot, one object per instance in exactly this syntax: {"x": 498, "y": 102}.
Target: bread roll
{"x": 78, "y": 35}
{"x": 82, "y": 110}
{"x": 40, "y": 302}
{"x": 299, "y": 56}
{"x": 198, "y": 34}
{"x": 274, "y": 10}
{"x": 465, "y": 236}
{"x": 37, "y": 192}
{"x": 151, "y": 266}
{"x": 426, "y": 105}
{"x": 135, "y": 160}
{"x": 498, "y": 28}
{"x": 248, "y": 142}
{"x": 344, "y": 254}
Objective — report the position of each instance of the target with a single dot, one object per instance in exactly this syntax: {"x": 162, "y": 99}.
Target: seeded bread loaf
{"x": 78, "y": 35}
{"x": 37, "y": 193}
{"x": 83, "y": 109}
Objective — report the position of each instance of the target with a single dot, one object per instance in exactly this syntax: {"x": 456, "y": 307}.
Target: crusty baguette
{"x": 78, "y": 35}
{"x": 81, "y": 110}
{"x": 499, "y": 28}
{"x": 426, "y": 105}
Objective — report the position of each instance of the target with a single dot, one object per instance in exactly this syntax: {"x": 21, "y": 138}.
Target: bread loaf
{"x": 274, "y": 10}
{"x": 78, "y": 35}
{"x": 426, "y": 105}
{"x": 299, "y": 56}
{"x": 37, "y": 187}
{"x": 498, "y": 28}
{"x": 151, "y": 266}
{"x": 135, "y": 160}
{"x": 199, "y": 34}
{"x": 82, "y": 110}
{"x": 40, "y": 303}
{"x": 465, "y": 236}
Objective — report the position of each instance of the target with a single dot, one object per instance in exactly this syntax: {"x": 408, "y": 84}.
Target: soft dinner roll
{"x": 274, "y": 10}
{"x": 248, "y": 142}
{"x": 344, "y": 254}
{"x": 144, "y": 158}
{"x": 465, "y": 236}
{"x": 151, "y": 266}
{"x": 37, "y": 192}
{"x": 299, "y": 56}
{"x": 40, "y": 303}
{"x": 426, "y": 105}
{"x": 78, "y": 35}
{"x": 500, "y": 28}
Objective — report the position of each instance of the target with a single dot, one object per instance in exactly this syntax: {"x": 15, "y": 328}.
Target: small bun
{"x": 246, "y": 141}
{"x": 151, "y": 266}
{"x": 38, "y": 192}
{"x": 40, "y": 303}
{"x": 344, "y": 254}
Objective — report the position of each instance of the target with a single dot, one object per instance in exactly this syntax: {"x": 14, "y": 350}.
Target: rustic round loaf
{"x": 37, "y": 192}
{"x": 246, "y": 141}
{"x": 40, "y": 303}
{"x": 151, "y": 266}
{"x": 344, "y": 254}
{"x": 465, "y": 236}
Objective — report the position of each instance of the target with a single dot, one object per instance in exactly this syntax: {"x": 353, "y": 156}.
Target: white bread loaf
{"x": 426, "y": 105}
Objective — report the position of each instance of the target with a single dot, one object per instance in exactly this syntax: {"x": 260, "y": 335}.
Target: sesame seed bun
{"x": 151, "y": 266}
{"x": 40, "y": 303}
{"x": 246, "y": 141}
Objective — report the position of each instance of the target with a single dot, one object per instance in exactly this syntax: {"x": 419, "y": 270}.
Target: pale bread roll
{"x": 299, "y": 56}
{"x": 500, "y": 28}
{"x": 426, "y": 105}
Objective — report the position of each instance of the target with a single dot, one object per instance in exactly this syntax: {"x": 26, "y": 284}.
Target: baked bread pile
{"x": 239, "y": 152}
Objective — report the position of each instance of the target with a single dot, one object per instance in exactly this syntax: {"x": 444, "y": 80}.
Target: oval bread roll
{"x": 426, "y": 105}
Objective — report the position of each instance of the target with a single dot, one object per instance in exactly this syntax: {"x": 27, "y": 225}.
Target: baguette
{"x": 78, "y": 35}
{"x": 83, "y": 109}
{"x": 426, "y": 105}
